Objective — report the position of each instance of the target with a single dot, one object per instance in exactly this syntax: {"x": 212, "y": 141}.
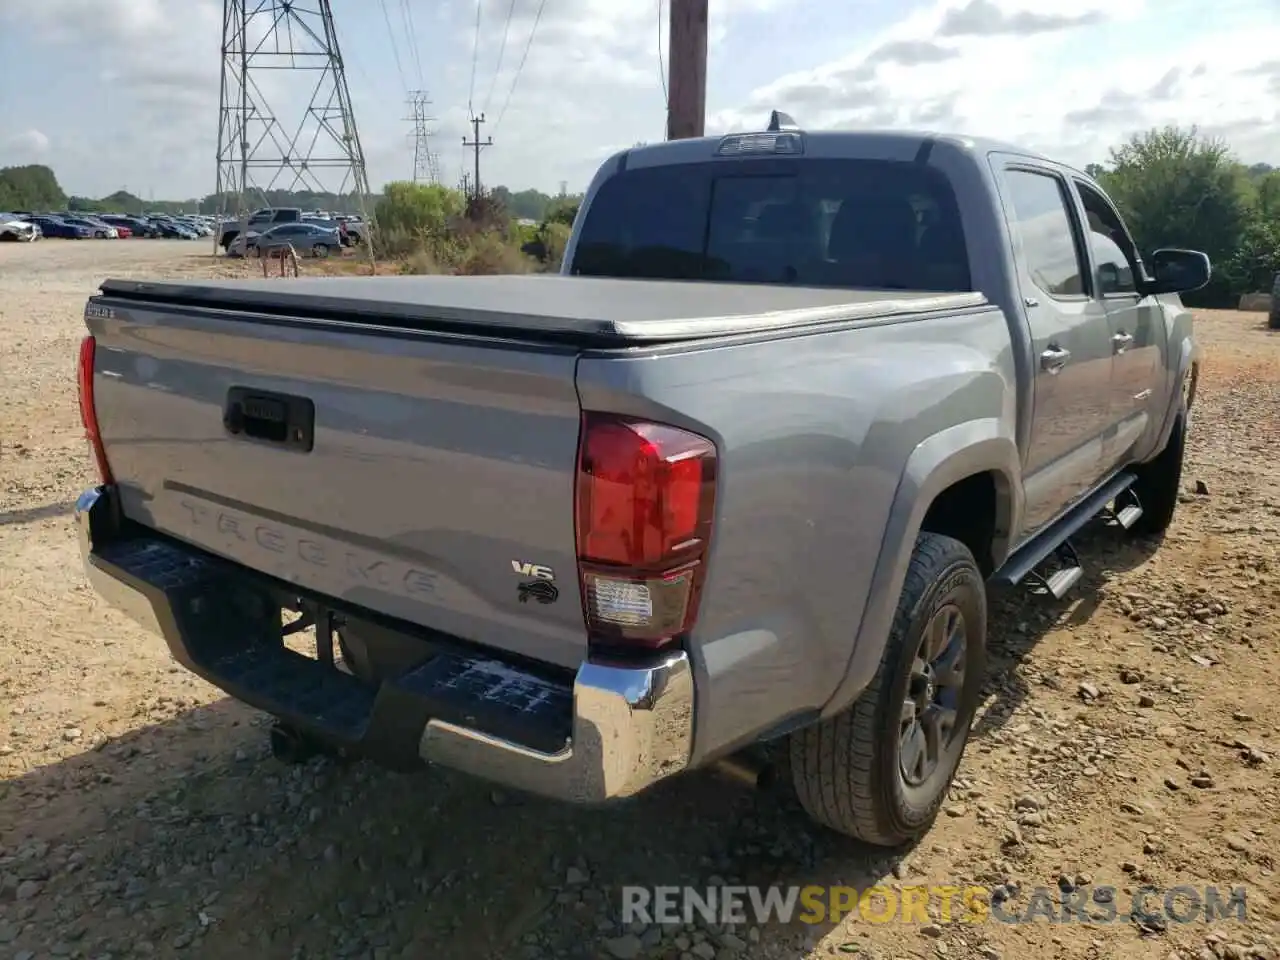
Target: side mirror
{"x": 1178, "y": 271}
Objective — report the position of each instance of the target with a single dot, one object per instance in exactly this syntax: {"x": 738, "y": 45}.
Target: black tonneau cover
{"x": 544, "y": 306}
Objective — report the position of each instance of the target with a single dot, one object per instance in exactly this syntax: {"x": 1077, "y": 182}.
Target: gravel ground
{"x": 1127, "y": 740}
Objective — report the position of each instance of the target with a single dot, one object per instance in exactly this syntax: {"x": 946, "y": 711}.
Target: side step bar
{"x": 1126, "y": 511}
{"x": 1054, "y": 542}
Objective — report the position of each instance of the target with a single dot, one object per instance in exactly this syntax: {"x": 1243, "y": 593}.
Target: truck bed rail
{"x": 582, "y": 310}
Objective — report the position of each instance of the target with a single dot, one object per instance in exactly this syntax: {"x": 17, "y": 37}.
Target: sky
{"x": 124, "y": 94}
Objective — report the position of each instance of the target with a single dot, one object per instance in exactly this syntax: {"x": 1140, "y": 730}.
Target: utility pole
{"x": 476, "y": 144}
{"x": 426, "y": 165}
{"x": 687, "y": 71}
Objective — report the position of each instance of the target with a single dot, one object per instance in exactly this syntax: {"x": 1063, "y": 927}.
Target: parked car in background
{"x": 307, "y": 239}
{"x": 259, "y": 220}
{"x": 96, "y": 221}
{"x": 172, "y": 230}
{"x": 52, "y": 226}
{"x": 243, "y": 244}
{"x": 15, "y": 229}
{"x": 100, "y": 231}
{"x": 196, "y": 226}
{"x": 138, "y": 226}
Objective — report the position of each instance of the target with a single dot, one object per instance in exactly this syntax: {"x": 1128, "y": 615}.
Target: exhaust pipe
{"x": 749, "y": 771}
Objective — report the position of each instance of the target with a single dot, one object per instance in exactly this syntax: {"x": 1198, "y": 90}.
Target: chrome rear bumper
{"x": 631, "y": 724}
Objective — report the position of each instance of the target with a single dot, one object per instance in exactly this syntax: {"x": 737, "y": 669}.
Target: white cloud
{"x": 1071, "y": 77}
{"x": 27, "y": 145}
{"x": 1067, "y": 78}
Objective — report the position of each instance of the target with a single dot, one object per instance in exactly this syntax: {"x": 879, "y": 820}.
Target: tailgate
{"x": 440, "y": 470}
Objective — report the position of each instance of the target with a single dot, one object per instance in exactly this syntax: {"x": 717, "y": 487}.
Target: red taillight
{"x": 645, "y": 499}
{"x": 88, "y": 412}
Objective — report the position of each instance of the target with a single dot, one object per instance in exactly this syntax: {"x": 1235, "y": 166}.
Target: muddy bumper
{"x": 609, "y": 731}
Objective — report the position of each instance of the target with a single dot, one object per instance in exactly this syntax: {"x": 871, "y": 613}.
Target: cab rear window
{"x": 823, "y": 223}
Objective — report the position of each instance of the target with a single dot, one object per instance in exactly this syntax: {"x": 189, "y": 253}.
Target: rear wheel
{"x": 880, "y": 770}
{"x": 320, "y": 250}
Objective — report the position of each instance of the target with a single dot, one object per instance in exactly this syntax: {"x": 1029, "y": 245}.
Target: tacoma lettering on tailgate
{"x": 311, "y": 549}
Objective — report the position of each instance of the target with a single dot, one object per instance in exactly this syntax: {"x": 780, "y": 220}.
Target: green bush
{"x": 491, "y": 253}
{"x": 563, "y": 210}
{"x": 411, "y": 215}
{"x": 555, "y": 237}
{"x": 432, "y": 229}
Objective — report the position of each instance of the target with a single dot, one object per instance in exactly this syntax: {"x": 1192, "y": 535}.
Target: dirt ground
{"x": 1128, "y": 741}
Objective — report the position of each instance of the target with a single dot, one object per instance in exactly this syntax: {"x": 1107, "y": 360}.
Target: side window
{"x": 1040, "y": 217}
{"x": 1113, "y": 251}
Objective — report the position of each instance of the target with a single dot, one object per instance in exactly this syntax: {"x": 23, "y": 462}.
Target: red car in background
{"x": 122, "y": 232}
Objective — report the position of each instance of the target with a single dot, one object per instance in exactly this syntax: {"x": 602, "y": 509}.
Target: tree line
{"x": 36, "y": 188}
{"x": 1176, "y": 188}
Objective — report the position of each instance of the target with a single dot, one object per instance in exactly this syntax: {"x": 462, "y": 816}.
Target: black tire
{"x": 320, "y": 251}
{"x": 1273, "y": 317}
{"x": 1159, "y": 482}
{"x": 847, "y": 770}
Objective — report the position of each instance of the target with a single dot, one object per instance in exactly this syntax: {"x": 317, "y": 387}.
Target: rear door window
{"x": 826, "y": 223}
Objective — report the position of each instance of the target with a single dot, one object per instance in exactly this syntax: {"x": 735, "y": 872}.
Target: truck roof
{"x": 891, "y": 144}
{"x": 545, "y": 306}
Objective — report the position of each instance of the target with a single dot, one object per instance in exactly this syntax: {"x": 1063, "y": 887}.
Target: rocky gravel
{"x": 1127, "y": 741}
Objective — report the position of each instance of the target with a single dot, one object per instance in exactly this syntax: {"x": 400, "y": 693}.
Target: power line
{"x": 475, "y": 55}
{"x": 406, "y": 13}
{"x": 525, "y": 56}
{"x": 502, "y": 49}
{"x": 395, "y": 49}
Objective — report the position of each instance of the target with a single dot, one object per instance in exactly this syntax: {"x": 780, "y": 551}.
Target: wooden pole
{"x": 687, "y": 72}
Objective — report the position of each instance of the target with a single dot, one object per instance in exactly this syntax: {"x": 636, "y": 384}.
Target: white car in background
{"x": 14, "y": 228}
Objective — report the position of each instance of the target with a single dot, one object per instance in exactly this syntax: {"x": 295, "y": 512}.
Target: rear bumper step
{"x": 616, "y": 730}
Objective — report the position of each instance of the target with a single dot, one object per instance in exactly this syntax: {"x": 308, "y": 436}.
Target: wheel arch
{"x": 963, "y": 482}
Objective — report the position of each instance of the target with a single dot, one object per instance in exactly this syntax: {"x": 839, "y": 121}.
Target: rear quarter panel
{"x": 814, "y": 433}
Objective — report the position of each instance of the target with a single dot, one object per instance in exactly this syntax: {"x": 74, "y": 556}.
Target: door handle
{"x": 1122, "y": 342}
{"x": 1054, "y": 359}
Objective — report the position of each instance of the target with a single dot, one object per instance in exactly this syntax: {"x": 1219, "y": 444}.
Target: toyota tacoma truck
{"x": 734, "y": 484}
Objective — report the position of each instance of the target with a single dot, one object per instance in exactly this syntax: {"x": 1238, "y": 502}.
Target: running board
{"x": 1054, "y": 538}
{"x": 1067, "y": 575}
{"x": 1126, "y": 511}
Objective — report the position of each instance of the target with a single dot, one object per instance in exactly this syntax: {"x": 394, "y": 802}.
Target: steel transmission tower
{"x": 287, "y": 49}
{"x": 426, "y": 163}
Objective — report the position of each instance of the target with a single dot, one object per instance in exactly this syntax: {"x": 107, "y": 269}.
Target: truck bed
{"x": 580, "y": 310}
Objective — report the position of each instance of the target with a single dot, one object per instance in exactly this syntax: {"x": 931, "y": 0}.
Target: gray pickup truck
{"x": 257, "y": 221}
{"x": 733, "y": 486}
